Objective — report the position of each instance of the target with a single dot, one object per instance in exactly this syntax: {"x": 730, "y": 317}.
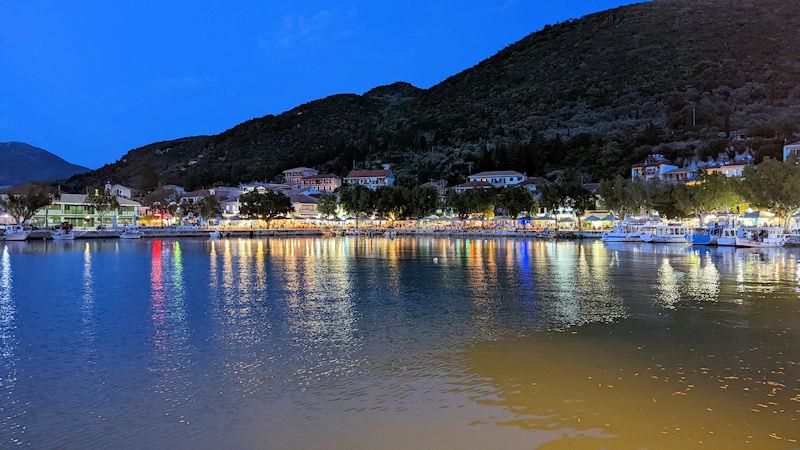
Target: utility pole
{"x": 469, "y": 167}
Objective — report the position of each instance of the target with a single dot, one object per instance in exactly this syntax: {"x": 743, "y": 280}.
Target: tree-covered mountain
{"x": 595, "y": 94}
{"x": 21, "y": 163}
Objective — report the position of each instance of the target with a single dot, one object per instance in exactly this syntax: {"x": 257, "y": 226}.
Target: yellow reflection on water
{"x": 607, "y": 393}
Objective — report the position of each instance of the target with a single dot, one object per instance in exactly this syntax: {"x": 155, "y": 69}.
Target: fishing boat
{"x": 622, "y": 232}
{"x": 62, "y": 235}
{"x": 673, "y": 233}
{"x": 16, "y": 233}
{"x": 761, "y": 237}
{"x": 727, "y": 237}
{"x": 215, "y": 234}
{"x": 131, "y": 233}
{"x": 703, "y": 236}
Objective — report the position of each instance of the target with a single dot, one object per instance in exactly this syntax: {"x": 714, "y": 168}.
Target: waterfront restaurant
{"x": 76, "y": 210}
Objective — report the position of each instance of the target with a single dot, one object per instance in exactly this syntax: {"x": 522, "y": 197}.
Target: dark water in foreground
{"x": 367, "y": 343}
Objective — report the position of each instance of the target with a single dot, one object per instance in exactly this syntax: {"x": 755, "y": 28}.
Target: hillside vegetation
{"x": 593, "y": 94}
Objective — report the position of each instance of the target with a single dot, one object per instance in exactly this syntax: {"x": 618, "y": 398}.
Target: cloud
{"x": 321, "y": 28}
{"x": 184, "y": 82}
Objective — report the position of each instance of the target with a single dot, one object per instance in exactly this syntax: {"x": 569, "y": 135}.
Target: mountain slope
{"x": 20, "y": 163}
{"x": 593, "y": 94}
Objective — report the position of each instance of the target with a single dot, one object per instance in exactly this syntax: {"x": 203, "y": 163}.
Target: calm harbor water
{"x": 369, "y": 343}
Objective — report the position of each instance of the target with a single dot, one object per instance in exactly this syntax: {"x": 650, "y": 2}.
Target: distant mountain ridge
{"x": 595, "y": 94}
{"x": 21, "y": 163}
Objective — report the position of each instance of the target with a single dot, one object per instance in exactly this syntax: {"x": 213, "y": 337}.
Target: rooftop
{"x": 368, "y": 173}
{"x": 497, "y": 173}
{"x": 320, "y": 176}
{"x": 300, "y": 169}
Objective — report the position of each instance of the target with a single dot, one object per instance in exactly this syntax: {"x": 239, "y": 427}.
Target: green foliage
{"x": 473, "y": 201}
{"x": 514, "y": 200}
{"x": 22, "y": 207}
{"x": 328, "y": 205}
{"x": 774, "y": 185}
{"x": 393, "y": 202}
{"x": 266, "y": 206}
{"x": 424, "y": 202}
{"x": 102, "y": 201}
{"x": 358, "y": 200}
{"x": 566, "y": 194}
{"x": 208, "y": 207}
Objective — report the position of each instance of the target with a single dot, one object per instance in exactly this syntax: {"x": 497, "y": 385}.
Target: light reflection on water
{"x": 363, "y": 343}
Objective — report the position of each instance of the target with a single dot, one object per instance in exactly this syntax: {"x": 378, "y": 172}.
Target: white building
{"x": 195, "y": 196}
{"x": 294, "y": 177}
{"x": 372, "y": 179}
{"x": 225, "y": 191}
{"x": 119, "y": 190}
{"x": 304, "y": 205}
{"x": 655, "y": 167}
{"x": 461, "y": 188}
{"x": 791, "y": 150}
{"x": 174, "y": 187}
{"x": 499, "y": 178}
{"x": 321, "y": 182}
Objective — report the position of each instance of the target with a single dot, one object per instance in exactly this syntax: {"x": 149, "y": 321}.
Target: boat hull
{"x": 64, "y": 237}
{"x": 658, "y": 239}
{"x": 726, "y": 241}
{"x": 620, "y": 237}
{"x": 16, "y": 236}
{"x": 702, "y": 239}
{"x": 749, "y": 243}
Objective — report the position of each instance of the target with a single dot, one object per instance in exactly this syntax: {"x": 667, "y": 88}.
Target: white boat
{"x": 390, "y": 233}
{"x": 215, "y": 234}
{"x": 703, "y": 236}
{"x": 622, "y": 232}
{"x": 761, "y": 237}
{"x": 16, "y": 233}
{"x": 62, "y": 235}
{"x": 667, "y": 234}
{"x": 727, "y": 237}
{"x": 131, "y": 233}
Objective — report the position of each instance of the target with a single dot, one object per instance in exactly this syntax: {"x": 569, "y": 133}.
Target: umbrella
{"x": 543, "y": 218}
{"x": 566, "y": 220}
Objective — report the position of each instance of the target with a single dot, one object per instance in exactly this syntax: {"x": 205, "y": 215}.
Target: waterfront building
{"x": 790, "y": 150}
{"x": 304, "y": 205}
{"x": 321, "y": 182}
{"x": 653, "y": 168}
{"x": 294, "y": 177}
{"x": 119, "y": 190}
{"x": 76, "y": 210}
{"x": 499, "y": 178}
{"x": 461, "y": 188}
{"x": 372, "y": 179}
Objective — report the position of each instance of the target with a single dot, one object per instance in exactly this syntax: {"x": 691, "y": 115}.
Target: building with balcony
{"x": 372, "y": 179}
{"x": 323, "y": 182}
{"x": 294, "y": 177}
{"x": 499, "y": 178}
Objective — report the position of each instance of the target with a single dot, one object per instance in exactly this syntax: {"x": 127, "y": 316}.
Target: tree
{"x": 393, "y": 202}
{"x": 266, "y": 206}
{"x": 514, "y": 200}
{"x": 209, "y": 207}
{"x": 102, "y": 201}
{"x": 328, "y": 205}
{"x": 424, "y": 202}
{"x": 473, "y": 201}
{"x": 773, "y": 185}
{"x": 459, "y": 203}
{"x": 615, "y": 194}
{"x": 358, "y": 200}
{"x": 22, "y": 207}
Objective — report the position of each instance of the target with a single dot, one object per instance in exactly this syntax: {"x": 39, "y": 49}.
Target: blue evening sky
{"x": 91, "y": 79}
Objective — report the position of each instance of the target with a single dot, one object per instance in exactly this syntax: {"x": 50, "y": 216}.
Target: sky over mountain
{"x": 95, "y": 79}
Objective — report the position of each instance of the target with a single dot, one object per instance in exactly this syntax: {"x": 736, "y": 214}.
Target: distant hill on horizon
{"x": 21, "y": 163}
{"x": 593, "y": 95}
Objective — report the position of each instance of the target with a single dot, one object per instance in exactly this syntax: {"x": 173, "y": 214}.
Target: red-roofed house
{"x": 372, "y": 179}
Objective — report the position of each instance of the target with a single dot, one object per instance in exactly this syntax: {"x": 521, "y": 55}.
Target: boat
{"x": 215, "y": 234}
{"x": 131, "y": 233}
{"x": 673, "y": 233}
{"x": 62, "y": 235}
{"x": 761, "y": 237}
{"x": 390, "y": 233}
{"x": 727, "y": 237}
{"x": 703, "y": 236}
{"x": 16, "y": 233}
{"x": 622, "y": 232}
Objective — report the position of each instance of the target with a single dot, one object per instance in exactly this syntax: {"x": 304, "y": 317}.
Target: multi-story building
{"x": 323, "y": 182}
{"x": 119, "y": 190}
{"x": 461, "y": 188}
{"x": 294, "y": 177}
{"x": 499, "y": 178}
{"x": 372, "y": 179}
{"x": 76, "y": 210}
{"x": 439, "y": 185}
{"x": 195, "y": 196}
{"x": 304, "y": 205}
{"x": 653, "y": 168}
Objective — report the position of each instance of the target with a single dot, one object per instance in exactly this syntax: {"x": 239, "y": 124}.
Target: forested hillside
{"x": 593, "y": 94}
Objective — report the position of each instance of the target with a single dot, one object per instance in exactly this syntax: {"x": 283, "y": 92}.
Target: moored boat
{"x": 761, "y": 237}
{"x": 131, "y": 233}
{"x": 62, "y": 235}
{"x": 16, "y": 233}
{"x": 667, "y": 234}
{"x": 702, "y": 236}
{"x": 215, "y": 234}
{"x": 622, "y": 232}
{"x": 727, "y": 237}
